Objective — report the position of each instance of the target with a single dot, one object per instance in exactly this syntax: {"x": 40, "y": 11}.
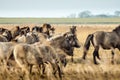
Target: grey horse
{"x": 107, "y": 40}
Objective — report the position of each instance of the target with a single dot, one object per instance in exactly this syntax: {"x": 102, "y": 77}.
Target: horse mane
{"x": 56, "y": 37}
{"x": 117, "y": 29}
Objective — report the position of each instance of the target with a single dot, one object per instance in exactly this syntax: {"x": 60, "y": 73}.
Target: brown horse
{"x": 5, "y": 36}
{"x": 27, "y": 55}
{"x": 45, "y": 29}
{"x": 5, "y": 52}
{"x": 56, "y": 59}
{"x": 48, "y": 29}
{"x": 25, "y": 29}
{"x": 107, "y": 40}
{"x": 62, "y": 44}
{"x": 15, "y": 31}
{"x": 29, "y": 38}
{"x": 66, "y": 42}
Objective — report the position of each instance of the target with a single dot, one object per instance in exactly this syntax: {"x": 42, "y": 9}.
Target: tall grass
{"x": 79, "y": 69}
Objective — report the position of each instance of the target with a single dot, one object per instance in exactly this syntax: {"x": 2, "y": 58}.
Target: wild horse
{"x": 107, "y": 40}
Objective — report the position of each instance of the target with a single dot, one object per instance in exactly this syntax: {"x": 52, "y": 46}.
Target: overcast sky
{"x": 55, "y": 8}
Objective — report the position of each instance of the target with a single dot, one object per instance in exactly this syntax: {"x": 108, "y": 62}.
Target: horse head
{"x": 35, "y": 29}
{"x": 7, "y": 34}
{"x": 70, "y": 41}
{"x": 73, "y": 29}
{"x": 2, "y": 30}
{"x": 52, "y": 31}
{"x": 117, "y": 30}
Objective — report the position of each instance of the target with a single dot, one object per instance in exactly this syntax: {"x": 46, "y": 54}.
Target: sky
{"x": 55, "y": 8}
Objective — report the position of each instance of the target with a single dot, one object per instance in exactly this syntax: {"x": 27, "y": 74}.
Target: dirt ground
{"x": 79, "y": 69}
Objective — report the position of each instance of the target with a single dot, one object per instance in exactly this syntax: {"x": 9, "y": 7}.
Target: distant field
{"x": 60, "y": 20}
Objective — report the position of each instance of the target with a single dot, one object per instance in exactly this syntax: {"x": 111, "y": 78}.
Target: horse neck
{"x": 117, "y": 33}
{"x": 21, "y": 38}
{"x": 57, "y": 42}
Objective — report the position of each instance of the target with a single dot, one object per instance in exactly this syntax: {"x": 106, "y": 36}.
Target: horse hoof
{"x": 112, "y": 62}
{"x": 96, "y": 63}
{"x": 83, "y": 58}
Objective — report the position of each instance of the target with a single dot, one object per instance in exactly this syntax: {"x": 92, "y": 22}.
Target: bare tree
{"x": 73, "y": 15}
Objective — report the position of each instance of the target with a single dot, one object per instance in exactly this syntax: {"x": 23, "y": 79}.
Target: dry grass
{"x": 79, "y": 69}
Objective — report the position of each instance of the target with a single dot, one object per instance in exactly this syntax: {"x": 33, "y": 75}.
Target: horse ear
{"x": 22, "y": 33}
{"x": 75, "y": 27}
{"x": 53, "y": 28}
{"x": 65, "y": 34}
{"x": 14, "y": 40}
{"x": 71, "y": 27}
{"x": 17, "y": 27}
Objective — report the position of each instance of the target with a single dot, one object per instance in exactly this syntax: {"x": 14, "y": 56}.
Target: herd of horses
{"x": 40, "y": 46}
{"x": 37, "y": 47}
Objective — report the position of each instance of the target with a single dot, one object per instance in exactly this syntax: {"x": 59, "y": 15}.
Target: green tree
{"x": 84, "y": 14}
{"x": 117, "y": 13}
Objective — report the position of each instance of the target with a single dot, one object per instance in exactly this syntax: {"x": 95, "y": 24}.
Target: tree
{"x": 84, "y": 14}
{"x": 117, "y": 13}
{"x": 102, "y": 15}
{"x": 73, "y": 15}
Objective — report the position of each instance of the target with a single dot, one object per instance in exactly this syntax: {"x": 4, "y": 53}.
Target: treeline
{"x": 88, "y": 14}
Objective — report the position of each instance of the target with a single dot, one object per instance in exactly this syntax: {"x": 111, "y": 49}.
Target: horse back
{"x": 106, "y": 39}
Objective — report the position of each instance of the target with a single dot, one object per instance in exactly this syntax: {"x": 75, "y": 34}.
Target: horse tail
{"x": 87, "y": 45}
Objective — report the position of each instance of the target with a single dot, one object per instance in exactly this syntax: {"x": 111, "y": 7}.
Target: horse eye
{"x": 67, "y": 39}
{"x": 74, "y": 37}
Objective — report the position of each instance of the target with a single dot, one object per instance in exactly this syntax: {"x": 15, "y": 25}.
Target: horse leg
{"x": 54, "y": 67}
{"x": 43, "y": 68}
{"x": 30, "y": 68}
{"x": 84, "y": 55}
{"x": 24, "y": 66}
{"x": 59, "y": 72}
{"x": 72, "y": 58}
{"x": 39, "y": 69}
{"x": 113, "y": 53}
{"x": 95, "y": 53}
{"x": 54, "y": 71}
{"x": 112, "y": 61}
{"x": 5, "y": 64}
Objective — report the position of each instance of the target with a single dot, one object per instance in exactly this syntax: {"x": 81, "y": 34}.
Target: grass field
{"x": 60, "y": 20}
{"x": 79, "y": 69}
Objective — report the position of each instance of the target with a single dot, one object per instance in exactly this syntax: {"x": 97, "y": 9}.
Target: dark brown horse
{"x": 66, "y": 42}
{"x": 107, "y": 40}
{"x": 45, "y": 29}
{"x": 47, "y": 26}
{"x": 5, "y": 35}
{"x": 25, "y": 29}
{"x": 2, "y": 30}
